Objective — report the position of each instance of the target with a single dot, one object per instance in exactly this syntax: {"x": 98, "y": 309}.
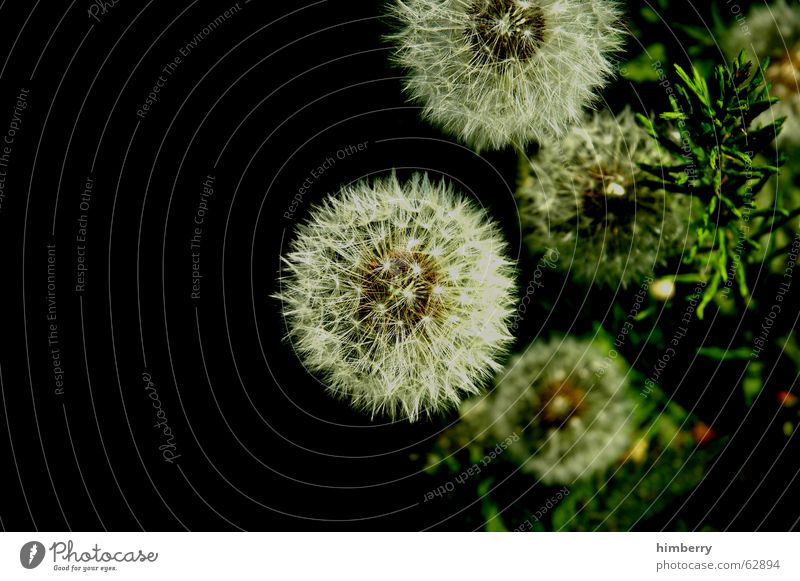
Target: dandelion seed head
{"x": 382, "y": 317}
{"x": 496, "y": 73}
{"x": 588, "y": 198}
{"x": 570, "y": 406}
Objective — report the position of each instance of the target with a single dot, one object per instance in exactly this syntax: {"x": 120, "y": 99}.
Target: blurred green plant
{"x": 668, "y": 458}
{"x": 719, "y": 163}
{"x": 666, "y": 462}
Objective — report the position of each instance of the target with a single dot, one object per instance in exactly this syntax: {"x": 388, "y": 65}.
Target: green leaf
{"x": 708, "y": 295}
{"x": 720, "y": 354}
{"x": 641, "y": 69}
{"x": 752, "y": 384}
{"x": 744, "y": 291}
{"x": 714, "y": 114}
{"x": 493, "y": 521}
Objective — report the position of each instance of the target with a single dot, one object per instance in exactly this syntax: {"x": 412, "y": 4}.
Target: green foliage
{"x": 491, "y": 513}
{"x": 709, "y": 132}
{"x": 752, "y": 382}
{"x": 668, "y": 464}
{"x": 722, "y": 159}
{"x": 664, "y": 463}
{"x": 640, "y": 69}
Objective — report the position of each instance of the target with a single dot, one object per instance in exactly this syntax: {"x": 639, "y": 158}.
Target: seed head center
{"x": 400, "y": 289}
{"x": 608, "y": 192}
{"x": 500, "y": 31}
{"x": 560, "y": 403}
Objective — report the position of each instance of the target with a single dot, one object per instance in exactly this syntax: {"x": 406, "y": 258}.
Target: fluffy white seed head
{"x": 587, "y": 198}
{"x": 774, "y": 31}
{"x": 399, "y": 295}
{"x": 501, "y": 72}
{"x": 567, "y": 400}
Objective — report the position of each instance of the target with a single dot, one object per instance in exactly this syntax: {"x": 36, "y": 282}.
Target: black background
{"x": 259, "y": 103}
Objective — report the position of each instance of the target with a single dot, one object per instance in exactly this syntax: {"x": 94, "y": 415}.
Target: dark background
{"x": 259, "y": 103}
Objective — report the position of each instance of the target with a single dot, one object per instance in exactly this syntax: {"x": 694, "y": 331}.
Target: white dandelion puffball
{"x": 567, "y": 400}
{"x": 399, "y": 296}
{"x": 774, "y": 31}
{"x": 505, "y": 72}
{"x": 587, "y": 198}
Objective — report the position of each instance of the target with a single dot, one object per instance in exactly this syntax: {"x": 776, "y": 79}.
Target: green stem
{"x": 774, "y": 225}
{"x": 778, "y": 252}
